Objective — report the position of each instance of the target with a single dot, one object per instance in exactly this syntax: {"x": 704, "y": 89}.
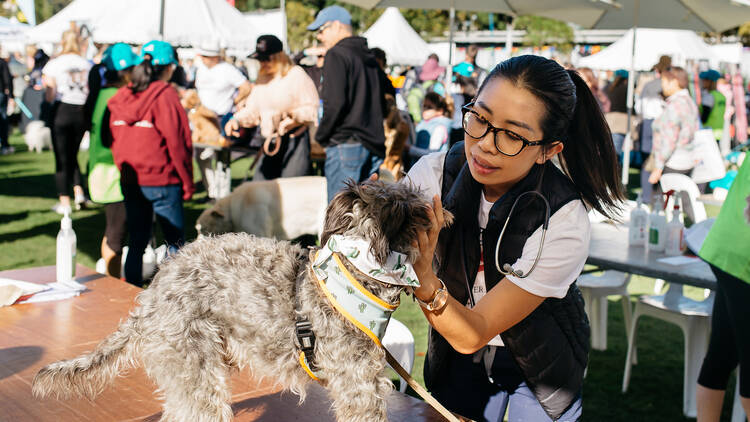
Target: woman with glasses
{"x": 283, "y": 105}
{"x": 508, "y": 327}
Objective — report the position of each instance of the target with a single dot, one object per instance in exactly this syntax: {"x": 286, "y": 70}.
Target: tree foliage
{"x": 544, "y": 31}
{"x": 298, "y": 16}
{"x": 46, "y": 8}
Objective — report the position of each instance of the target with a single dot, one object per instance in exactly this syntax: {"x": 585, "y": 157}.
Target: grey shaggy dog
{"x": 226, "y": 302}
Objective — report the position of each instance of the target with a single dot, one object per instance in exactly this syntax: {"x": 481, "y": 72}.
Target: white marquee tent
{"x": 185, "y": 23}
{"x": 266, "y": 22}
{"x": 651, "y": 43}
{"x": 12, "y": 34}
{"x": 397, "y": 38}
{"x": 727, "y": 53}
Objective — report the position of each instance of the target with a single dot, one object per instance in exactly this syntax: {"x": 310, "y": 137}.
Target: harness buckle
{"x": 306, "y": 340}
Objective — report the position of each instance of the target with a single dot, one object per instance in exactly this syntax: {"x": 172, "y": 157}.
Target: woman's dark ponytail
{"x": 142, "y": 76}
{"x": 573, "y": 117}
{"x": 145, "y": 73}
{"x": 589, "y": 157}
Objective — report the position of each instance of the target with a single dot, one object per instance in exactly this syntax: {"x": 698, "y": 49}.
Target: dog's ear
{"x": 217, "y": 213}
{"x": 338, "y": 218}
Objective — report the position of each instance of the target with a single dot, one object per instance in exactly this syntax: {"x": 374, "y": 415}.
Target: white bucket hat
{"x": 209, "y": 48}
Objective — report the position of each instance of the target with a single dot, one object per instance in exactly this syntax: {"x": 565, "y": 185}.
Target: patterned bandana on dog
{"x": 397, "y": 270}
{"x": 367, "y": 312}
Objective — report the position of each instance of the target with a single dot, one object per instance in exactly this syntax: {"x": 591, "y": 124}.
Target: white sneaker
{"x": 80, "y": 202}
{"x": 62, "y": 209}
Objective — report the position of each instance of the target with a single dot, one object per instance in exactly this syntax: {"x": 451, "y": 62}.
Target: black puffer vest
{"x": 551, "y": 345}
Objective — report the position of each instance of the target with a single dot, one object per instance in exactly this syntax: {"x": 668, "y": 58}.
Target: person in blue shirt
{"x": 433, "y": 132}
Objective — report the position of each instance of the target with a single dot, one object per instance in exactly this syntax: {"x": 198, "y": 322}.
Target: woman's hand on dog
{"x": 427, "y": 242}
{"x": 232, "y": 128}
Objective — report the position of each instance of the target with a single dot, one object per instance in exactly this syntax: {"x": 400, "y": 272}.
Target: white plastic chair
{"x": 694, "y": 318}
{"x": 400, "y": 342}
{"x": 689, "y": 195}
{"x": 738, "y": 413}
{"x": 595, "y": 289}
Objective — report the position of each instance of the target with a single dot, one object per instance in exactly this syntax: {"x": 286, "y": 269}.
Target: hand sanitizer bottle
{"x": 675, "y": 242}
{"x": 66, "y": 250}
{"x": 657, "y": 224}
{"x": 638, "y": 229}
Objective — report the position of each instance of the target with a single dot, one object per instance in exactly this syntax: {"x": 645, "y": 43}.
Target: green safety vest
{"x": 716, "y": 117}
{"x": 104, "y": 177}
{"x": 727, "y": 245}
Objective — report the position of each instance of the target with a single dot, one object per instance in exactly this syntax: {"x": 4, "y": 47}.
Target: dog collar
{"x": 397, "y": 270}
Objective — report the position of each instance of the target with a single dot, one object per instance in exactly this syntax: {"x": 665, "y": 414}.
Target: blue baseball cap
{"x": 160, "y": 51}
{"x": 330, "y": 13}
{"x": 118, "y": 57}
{"x": 710, "y": 75}
{"x": 465, "y": 69}
{"x": 621, "y": 73}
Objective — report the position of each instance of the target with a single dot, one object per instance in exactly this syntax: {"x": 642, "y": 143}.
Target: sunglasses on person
{"x": 506, "y": 141}
{"x": 325, "y": 26}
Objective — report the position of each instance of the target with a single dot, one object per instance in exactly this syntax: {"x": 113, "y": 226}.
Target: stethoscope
{"x": 507, "y": 269}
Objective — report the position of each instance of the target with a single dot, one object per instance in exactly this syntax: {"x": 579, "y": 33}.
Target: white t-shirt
{"x": 71, "y": 75}
{"x": 216, "y": 86}
{"x": 566, "y": 245}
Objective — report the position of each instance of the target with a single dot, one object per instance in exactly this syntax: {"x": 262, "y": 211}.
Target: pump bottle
{"x": 657, "y": 225}
{"x": 65, "y": 264}
{"x": 638, "y": 228}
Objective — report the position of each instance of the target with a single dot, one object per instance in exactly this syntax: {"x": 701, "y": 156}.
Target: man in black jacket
{"x": 6, "y": 95}
{"x": 351, "y": 128}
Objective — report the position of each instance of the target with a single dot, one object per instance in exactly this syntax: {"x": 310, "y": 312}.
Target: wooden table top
{"x": 33, "y": 335}
{"x": 609, "y": 249}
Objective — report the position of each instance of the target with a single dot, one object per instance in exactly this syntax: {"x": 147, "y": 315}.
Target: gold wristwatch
{"x": 437, "y": 301}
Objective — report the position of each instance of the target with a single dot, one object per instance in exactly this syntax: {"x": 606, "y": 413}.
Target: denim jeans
{"x": 348, "y": 161}
{"x": 141, "y": 203}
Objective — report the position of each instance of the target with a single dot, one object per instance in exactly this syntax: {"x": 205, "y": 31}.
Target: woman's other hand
{"x": 232, "y": 128}
{"x": 428, "y": 240}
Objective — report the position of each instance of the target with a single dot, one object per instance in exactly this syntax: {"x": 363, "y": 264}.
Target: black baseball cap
{"x": 266, "y": 46}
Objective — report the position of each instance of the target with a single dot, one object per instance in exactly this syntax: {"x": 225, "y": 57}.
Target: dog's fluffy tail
{"x": 87, "y": 375}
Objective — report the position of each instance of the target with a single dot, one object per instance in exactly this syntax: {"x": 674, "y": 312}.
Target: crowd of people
{"x": 476, "y": 139}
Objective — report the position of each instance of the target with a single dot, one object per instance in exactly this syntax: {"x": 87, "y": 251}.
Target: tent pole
{"x": 509, "y": 38}
{"x": 161, "y": 20}
{"x": 282, "y": 6}
{"x": 450, "y": 36}
{"x": 627, "y": 145}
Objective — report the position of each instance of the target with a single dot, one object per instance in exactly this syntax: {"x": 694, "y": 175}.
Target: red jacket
{"x": 151, "y": 137}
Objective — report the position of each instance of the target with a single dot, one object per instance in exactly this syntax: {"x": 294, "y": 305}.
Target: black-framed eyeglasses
{"x": 507, "y": 142}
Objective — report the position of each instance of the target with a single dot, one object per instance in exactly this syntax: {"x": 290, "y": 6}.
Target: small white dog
{"x": 38, "y": 136}
{"x": 283, "y": 208}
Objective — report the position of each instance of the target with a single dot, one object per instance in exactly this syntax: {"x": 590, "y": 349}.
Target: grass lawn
{"x": 27, "y": 238}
